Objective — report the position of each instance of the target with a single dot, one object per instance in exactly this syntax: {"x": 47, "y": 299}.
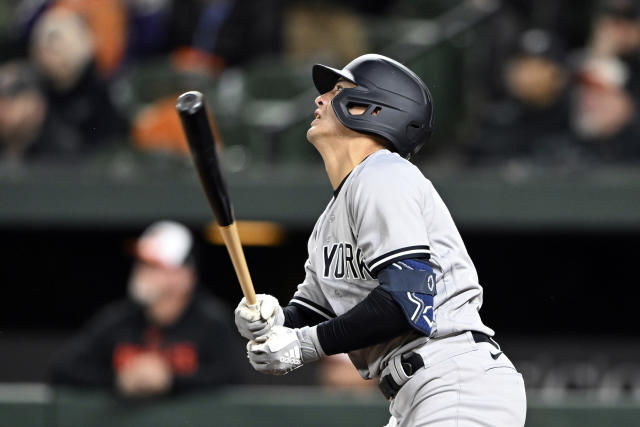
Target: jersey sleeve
{"x": 390, "y": 215}
{"x": 309, "y": 295}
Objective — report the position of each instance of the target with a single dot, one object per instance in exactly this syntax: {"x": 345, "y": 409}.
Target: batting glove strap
{"x": 277, "y": 353}
{"x": 309, "y": 344}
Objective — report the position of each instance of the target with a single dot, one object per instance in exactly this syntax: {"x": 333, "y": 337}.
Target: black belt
{"x": 411, "y": 362}
{"x": 479, "y": 337}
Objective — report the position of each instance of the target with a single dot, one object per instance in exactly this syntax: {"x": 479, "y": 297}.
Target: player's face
{"x": 325, "y": 123}
{"x": 150, "y": 283}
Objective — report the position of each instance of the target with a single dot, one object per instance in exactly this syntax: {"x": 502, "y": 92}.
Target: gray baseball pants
{"x": 463, "y": 384}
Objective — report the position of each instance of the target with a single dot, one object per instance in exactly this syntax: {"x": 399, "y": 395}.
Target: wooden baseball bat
{"x": 195, "y": 122}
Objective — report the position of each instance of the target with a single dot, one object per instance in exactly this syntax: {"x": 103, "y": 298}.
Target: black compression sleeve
{"x": 296, "y": 316}
{"x": 375, "y": 319}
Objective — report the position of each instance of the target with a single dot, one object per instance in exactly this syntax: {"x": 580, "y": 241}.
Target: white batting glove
{"x": 284, "y": 350}
{"x": 254, "y": 321}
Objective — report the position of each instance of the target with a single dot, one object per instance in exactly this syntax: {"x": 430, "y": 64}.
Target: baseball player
{"x": 388, "y": 279}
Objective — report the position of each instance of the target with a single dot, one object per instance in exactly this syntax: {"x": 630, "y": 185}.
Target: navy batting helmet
{"x": 398, "y": 104}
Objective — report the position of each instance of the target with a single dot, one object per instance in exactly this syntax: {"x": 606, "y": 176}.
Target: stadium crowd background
{"x": 536, "y": 152}
{"x": 521, "y": 78}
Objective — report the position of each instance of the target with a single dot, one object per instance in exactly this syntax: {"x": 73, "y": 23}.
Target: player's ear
{"x": 356, "y": 109}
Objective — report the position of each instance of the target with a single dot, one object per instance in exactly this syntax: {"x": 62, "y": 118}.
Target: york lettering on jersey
{"x": 341, "y": 261}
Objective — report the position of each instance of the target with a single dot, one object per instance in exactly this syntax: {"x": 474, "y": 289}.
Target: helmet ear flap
{"x": 414, "y": 129}
{"x": 417, "y": 132}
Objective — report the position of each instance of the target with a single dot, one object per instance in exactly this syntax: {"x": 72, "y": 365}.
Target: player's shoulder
{"x": 384, "y": 168}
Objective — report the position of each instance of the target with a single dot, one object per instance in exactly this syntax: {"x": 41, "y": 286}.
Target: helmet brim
{"x": 325, "y": 78}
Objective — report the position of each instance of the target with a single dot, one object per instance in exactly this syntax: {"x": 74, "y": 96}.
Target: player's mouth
{"x": 316, "y": 116}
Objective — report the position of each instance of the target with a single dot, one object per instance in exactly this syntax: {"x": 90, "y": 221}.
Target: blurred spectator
{"x": 157, "y": 128}
{"x": 204, "y": 35}
{"x": 170, "y": 337}
{"x": 62, "y": 48}
{"x": 29, "y": 129}
{"x": 202, "y": 38}
{"x": 343, "y": 33}
{"x": 604, "y": 120}
{"x": 535, "y": 105}
{"x": 616, "y": 33}
{"x": 163, "y": 27}
{"x": 107, "y": 22}
{"x": 604, "y": 114}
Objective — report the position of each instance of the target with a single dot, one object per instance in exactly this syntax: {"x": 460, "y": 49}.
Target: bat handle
{"x": 232, "y": 242}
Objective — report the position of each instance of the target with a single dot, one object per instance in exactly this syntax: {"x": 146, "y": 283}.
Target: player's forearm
{"x": 376, "y": 319}
{"x": 297, "y": 316}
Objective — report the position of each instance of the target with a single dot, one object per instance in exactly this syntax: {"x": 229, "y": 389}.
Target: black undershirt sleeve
{"x": 296, "y": 316}
{"x": 377, "y": 318}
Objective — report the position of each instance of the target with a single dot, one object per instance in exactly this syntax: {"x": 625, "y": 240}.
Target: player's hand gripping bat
{"x": 195, "y": 122}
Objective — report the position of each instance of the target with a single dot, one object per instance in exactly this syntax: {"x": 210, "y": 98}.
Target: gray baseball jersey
{"x": 385, "y": 211}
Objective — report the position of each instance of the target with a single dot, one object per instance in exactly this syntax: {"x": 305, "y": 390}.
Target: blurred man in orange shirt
{"x": 168, "y": 337}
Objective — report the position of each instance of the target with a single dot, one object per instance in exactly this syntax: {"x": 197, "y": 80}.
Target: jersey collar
{"x": 337, "y": 190}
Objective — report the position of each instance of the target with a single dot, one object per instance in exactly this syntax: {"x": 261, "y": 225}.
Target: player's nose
{"x": 319, "y": 100}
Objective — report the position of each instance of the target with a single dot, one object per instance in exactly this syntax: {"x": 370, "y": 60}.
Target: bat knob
{"x": 189, "y": 102}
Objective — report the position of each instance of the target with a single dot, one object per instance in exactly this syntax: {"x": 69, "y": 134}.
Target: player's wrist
{"x": 310, "y": 347}
{"x": 284, "y": 350}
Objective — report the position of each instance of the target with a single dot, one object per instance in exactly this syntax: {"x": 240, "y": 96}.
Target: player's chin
{"x": 312, "y": 134}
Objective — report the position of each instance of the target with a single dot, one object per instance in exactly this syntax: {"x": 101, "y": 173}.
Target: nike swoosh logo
{"x": 495, "y": 356}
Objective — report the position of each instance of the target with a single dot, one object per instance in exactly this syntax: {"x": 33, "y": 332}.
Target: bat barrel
{"x": 195, "y": 121}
